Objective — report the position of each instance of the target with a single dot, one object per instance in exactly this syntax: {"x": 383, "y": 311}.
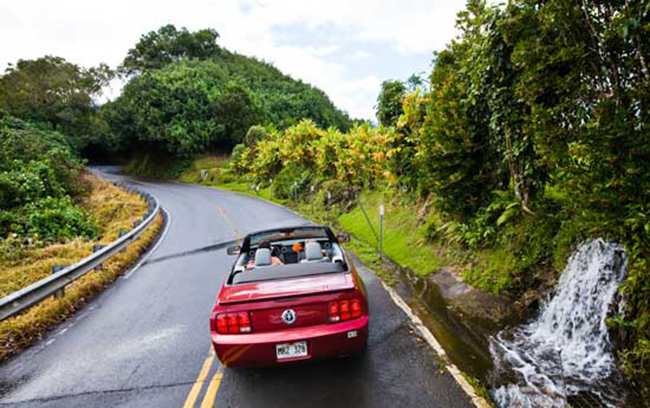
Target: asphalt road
{"x": 145, "y": 341}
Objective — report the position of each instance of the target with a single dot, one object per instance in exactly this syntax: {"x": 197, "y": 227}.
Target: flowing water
{"x": 565, "y": 351}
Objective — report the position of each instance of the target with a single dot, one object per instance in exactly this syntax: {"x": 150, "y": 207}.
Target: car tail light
{"x": 355, "y": 308}
{"x": 334, "y": 311}
{"x": 232, "y": 323}
{"x": 344, "y": 310}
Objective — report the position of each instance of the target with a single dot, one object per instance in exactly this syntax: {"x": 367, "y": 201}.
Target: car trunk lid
{"x": 286, "y": 288}
{"x": 289, "y": 316}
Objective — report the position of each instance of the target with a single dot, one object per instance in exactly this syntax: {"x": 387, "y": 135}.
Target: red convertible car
{"x": 291, "y": 295}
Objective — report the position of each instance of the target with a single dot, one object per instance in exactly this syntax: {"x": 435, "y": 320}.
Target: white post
{"x": 381, "y": 232}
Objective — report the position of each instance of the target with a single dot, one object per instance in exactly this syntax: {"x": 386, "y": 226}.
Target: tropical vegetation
{"x": 531, "y": 136}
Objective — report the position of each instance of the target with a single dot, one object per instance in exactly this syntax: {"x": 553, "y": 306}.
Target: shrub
{"x": 291, "y": 182}
{"x": 39, "y": 175}
{"x": 49, "y": 219}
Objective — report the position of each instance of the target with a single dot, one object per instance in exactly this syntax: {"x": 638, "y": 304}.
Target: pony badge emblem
{"x": 289, "y": 316}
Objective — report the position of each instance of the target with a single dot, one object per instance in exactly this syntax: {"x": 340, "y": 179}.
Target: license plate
{"x": 291, "y": 350}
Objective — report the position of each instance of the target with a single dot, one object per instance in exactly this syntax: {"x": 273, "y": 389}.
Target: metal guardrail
{"x": 35, "y": 293}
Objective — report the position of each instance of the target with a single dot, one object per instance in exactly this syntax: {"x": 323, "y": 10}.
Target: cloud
{"x": 347, "y": 67}
{"x": 360, "y": 54}
{"x": 411, "y": 26}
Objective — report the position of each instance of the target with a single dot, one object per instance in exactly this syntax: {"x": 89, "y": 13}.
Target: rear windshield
{"x": 276, "y": 236}
{"x": 286, "y": 272}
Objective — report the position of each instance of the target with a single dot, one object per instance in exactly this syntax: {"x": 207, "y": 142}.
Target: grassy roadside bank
{"x": 112, "y": 209}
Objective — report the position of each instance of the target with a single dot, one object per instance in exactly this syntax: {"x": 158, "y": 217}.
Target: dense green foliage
{"x": 532, "y": 137}
{"x": 159, "y": 48}
{"x": 304, "y": 154}
{"x": 192, "y": 96}
{"x": 57, "y": 94}
{"x": 549, "y": 105}
{"x": 389, "y": 102}
{"x": 38, "y": 179}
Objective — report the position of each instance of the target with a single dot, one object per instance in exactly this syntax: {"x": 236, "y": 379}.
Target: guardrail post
{"x": 120, "y": 234}
{"x": 95, "y": 249}
{"x": 61, "y": 292}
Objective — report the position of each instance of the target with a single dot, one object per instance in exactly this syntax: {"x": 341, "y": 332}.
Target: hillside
{"x": 204, "y": 102}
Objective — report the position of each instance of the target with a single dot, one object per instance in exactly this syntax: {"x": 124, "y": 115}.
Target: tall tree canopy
{"x": 389, "y": 102}
{"x": 191, "y": 96}
{"x": 52, "y": 91}
{"x": 158, "y": 48}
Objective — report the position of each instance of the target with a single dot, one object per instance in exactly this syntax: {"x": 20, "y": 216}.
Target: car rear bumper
{"x": 323, "y": 341}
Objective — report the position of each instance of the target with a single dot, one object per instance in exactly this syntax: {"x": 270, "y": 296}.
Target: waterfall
{"x": 566, "y": 350}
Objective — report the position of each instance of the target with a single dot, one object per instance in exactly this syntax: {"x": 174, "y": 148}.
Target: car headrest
{"x": 313, "y": 251}
{"x": 262, "y": 257}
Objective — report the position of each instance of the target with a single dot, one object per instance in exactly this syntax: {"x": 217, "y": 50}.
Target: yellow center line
{"x": 196, "y": 388}
{"x": 232, "y": 228}
{"x": 211, "y": 393}
{"x": 213, "y": 388}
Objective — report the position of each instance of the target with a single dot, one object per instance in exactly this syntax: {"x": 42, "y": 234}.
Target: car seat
{"x": 263, "y": 257}
{"x": 314, "y": 253}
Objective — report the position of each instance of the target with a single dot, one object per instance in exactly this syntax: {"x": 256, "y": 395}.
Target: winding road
{"x": 145, "y": 341}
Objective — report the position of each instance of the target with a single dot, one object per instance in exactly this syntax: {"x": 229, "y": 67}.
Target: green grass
{"x": 368, "y": 256}
{"x": 245, "y": 188}
{"x": 404, "y": 239}
{"x": 480, "y": 388}
{"x": 492, "y": 270}
{"x": 220, "y": 176}
{"x": 213, "y": 164}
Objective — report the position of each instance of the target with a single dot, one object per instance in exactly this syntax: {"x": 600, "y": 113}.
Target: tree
{"x": 158, "y": 48}
{"x": 389, "y": 102}
{"x": 172, "y": 110}
{"x": 255, "y": 134}
{"x": 55, "y": 92}
{"x": 190, "y": 96}
{"x": 415, "y": 81}
{"x": 238, "y": 109}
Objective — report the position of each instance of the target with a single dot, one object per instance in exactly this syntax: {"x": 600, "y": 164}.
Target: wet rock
{"x": 490, "y": 310}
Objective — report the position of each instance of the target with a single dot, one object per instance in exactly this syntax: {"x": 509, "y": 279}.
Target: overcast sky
{"x": 345, "y": 47}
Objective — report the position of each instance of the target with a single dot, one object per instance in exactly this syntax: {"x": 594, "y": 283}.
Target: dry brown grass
{"x": 115, "y": 209}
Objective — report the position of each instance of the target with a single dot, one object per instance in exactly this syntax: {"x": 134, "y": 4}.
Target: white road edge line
{"x": 435, "y": 345}
{"x": 148, "y": 254}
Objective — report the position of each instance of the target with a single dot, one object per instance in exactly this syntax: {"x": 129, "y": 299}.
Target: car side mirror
{"x": 343, "y": 237}
{"x": 233, "y": 250}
